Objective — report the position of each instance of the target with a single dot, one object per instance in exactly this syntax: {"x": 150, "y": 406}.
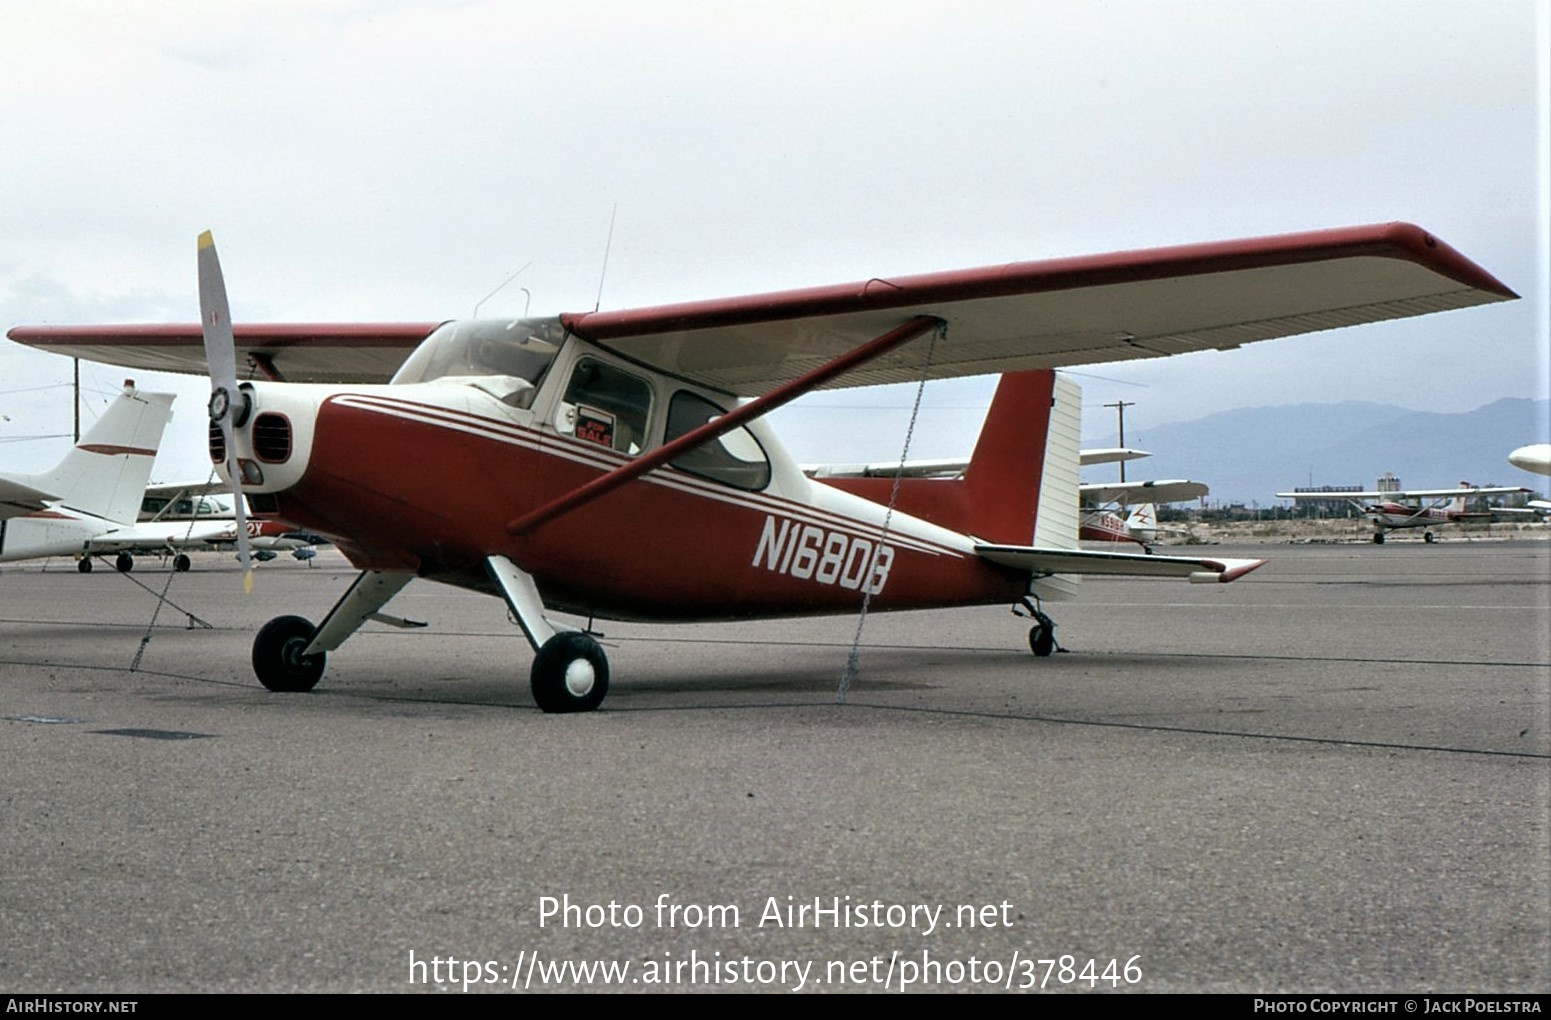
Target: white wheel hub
{"x": 579, "y": 677}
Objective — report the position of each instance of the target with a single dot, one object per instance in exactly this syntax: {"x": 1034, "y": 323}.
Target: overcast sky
{"x": 400, "y": 160}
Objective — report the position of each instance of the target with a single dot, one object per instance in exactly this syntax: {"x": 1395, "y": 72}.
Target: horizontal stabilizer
{"x": 1044, "y": 562}
{"x": 1171, "y": 491}
{"x": 17, "y": 498}
{"x": 1088, "y": 458}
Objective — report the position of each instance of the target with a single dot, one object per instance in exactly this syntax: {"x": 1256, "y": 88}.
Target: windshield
{"x": 520, "y": 348}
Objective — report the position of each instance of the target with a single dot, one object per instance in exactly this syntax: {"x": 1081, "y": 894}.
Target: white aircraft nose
{"x": 1535, "y": 458}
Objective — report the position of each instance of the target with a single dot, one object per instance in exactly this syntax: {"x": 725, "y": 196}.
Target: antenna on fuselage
{"x": 603, "y": 274}
{"x": 498, "y": 290}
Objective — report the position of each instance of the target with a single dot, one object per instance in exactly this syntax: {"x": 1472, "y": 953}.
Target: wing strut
{"x": 785, "y": 393}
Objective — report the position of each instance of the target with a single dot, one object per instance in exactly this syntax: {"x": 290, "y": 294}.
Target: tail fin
{"x": 105, "y": 475}
{"x": 1144, "y": 521}
{"x": 1021, "y": 481}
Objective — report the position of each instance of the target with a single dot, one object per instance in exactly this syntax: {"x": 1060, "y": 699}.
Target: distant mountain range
{"x": 1248, "y": 455}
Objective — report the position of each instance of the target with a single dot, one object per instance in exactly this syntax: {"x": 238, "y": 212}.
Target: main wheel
{"x": 278, "y": 661}
{"x": 570, "y": 674}
{"x": 1378, "y": 538}
{"x": 180, "y": 562}
{"x": 1042, "y": 638}
{"x": 1427, "y": 537}
{"x": 124, "y": 562}
{"x": 84, "y": 564}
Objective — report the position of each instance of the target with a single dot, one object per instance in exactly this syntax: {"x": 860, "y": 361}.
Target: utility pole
{"x": 77, "y": 391}
{"x": 1120, "y": 412}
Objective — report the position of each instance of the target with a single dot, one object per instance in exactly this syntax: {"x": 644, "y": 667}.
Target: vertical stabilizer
{"x": 998, "y": 497}
{"x": 105, "y": 475}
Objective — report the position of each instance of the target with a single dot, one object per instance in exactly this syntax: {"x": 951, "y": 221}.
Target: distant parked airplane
{"x": 1392, "y": 511}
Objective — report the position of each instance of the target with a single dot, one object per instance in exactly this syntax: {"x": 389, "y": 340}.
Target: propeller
{"x": 229, "y": 406}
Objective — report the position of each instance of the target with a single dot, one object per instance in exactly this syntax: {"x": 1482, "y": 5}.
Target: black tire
{"x": 84, "y": 564}
{"x": 277, "y": 659}
{"x": 180, "y": 562}
{"x": 1042, "y": 639}
{"x": 1378, "y": 538}
{"x": 124, "y": 562}
{"x": 1427, "y": 537}
{"x": 570, "y": 674}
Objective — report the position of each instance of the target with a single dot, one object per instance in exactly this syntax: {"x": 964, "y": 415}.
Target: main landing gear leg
{"x": 1042, "y": 636}
{"x": 570, "y": 672}
{"x": 289, "y": 653}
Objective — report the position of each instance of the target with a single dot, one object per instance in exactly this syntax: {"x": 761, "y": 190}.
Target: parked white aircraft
{"x": 95, "y": 491}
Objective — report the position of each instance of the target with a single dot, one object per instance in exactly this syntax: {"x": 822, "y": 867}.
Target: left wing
{"x": 1044, "y": 562}
{"x": 1047, "y": 314}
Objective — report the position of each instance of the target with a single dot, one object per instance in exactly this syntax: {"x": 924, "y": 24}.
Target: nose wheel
{"x": 278, "y": 661}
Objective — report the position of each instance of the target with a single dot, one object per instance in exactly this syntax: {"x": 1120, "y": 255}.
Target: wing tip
{"x": 1232, "y": 570}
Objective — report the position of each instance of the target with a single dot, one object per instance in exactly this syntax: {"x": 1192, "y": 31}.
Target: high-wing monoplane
{"x": 1416, "y": 508}
{"x": 614, "y": 464}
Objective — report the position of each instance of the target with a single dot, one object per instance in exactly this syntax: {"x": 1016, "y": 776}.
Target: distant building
{"x": 1335, "y": 504}
{"x": 1387, "y": 483}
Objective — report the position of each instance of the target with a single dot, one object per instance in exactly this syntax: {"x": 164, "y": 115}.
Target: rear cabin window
{"x": 607, "y": 406}
{"x": 734, "y": 458}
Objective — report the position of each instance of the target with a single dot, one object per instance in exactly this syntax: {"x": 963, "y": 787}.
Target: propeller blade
{"x": 226, "y": 401}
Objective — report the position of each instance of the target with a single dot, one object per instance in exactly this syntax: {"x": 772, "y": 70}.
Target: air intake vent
{"x": 272, "y": 438}
{"x": 217, "y": 445}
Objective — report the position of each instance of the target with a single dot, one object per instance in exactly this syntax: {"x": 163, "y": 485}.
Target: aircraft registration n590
{"x": 614, "y": 464}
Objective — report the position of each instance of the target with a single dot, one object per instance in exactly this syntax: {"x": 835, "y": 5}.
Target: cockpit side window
{"x": 734, "y": 458}
{"x": 607, "y": 406}
{"x": 507, "y": 358}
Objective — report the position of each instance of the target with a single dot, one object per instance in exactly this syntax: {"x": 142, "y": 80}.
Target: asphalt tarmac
{"x": 1331, "y": 776}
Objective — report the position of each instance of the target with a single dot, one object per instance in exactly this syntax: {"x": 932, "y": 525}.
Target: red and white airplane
{"x": 614, "y": 464}
{"x": 1391, "y": 511}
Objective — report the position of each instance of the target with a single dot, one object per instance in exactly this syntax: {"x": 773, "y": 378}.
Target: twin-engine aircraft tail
{"x": 106, "y": 473}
